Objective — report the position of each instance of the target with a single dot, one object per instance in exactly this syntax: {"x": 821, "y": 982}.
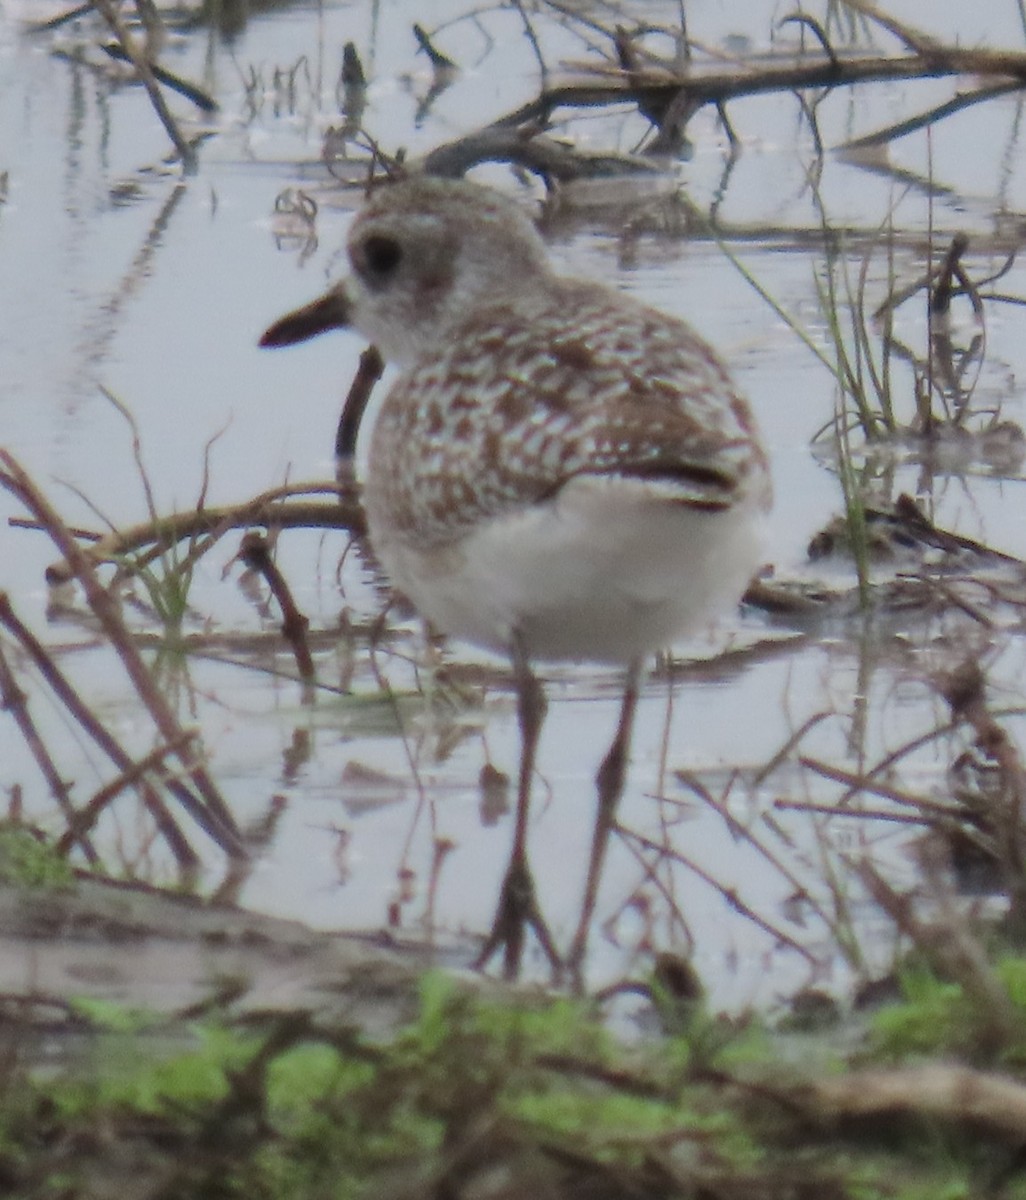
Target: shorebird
{"x": 559, "y": 472}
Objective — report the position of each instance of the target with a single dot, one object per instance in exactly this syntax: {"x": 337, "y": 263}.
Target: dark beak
{"x": 330, "y": 311}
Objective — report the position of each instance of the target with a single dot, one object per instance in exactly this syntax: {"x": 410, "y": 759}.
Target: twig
{"x": 962, "y": 101}
{"x": 439, "y": 61}
{"x": 817, "y": 31}
{"x": 69, "y": 697}
{"x": 914, "y": 39}
{"x": 266, "y": 509}
{"x": 716, "y": 87}
{"x": 863, "y": 783}
{"x": 131, "y": 776}
{"x": 186, "y": 150}
{"x": 728, "y": 894}
{"x": 13, "y": 700}
{"x": 862, "y": 814}
{"x": 213, "y": 814}
{"x": 203, "y": 100}
{"x": 256, "y": 554}
{"x": 532, "y": 37}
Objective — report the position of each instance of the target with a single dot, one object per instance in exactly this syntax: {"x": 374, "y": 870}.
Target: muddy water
{"x": 120, "y": 276}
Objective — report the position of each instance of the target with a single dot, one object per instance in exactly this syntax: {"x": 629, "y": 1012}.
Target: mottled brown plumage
{"x": 558, "y": 472}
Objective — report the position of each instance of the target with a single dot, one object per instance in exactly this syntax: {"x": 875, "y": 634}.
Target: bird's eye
{"x": 378, "y": 256}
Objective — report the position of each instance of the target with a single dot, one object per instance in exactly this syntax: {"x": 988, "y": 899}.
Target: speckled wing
{"x": 529, "y": 396}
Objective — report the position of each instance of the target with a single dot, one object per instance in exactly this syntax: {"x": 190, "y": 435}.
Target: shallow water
{"x": 121, "y": 276}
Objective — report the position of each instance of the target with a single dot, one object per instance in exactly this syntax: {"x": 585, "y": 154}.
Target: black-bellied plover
{"x": 560, "y": 471}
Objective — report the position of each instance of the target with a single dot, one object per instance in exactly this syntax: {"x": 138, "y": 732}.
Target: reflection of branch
{"x": 438, "y": 60}
{"x": 102, "y": 327}
{"x": 176, "y": 83}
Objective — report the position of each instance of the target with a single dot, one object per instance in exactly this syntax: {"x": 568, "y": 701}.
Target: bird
{"x": 560, "y": 472}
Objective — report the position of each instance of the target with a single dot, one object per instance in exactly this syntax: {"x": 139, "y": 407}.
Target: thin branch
{"x": 79, "y": 710}
{"x": 186, "y": 151}
{"x": 13, "y": 699}
{"x": 214, "y": 814}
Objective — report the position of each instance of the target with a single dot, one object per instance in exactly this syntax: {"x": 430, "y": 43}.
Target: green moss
{"x": 283, "y": 1107}
{"x": 931, "y": 1017}
{"x": 28, "y": 861}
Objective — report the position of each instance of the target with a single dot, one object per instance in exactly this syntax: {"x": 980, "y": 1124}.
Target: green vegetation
{"x": 485, "y": 1098}
{"x": 30, "y": 862}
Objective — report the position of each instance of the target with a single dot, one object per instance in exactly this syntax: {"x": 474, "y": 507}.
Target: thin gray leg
{"x": 609, "y": 785}
{"x": 518, "y": 906}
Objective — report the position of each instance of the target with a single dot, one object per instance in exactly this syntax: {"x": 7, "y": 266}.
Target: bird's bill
{"x": 330, "y": 311}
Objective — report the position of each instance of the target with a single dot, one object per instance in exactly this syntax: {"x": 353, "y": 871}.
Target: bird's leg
{"x": 518, "y": 907}
{"x": 609, "y": 785}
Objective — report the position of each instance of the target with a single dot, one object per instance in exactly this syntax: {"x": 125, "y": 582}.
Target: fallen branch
{"x": 959, "y": 1095}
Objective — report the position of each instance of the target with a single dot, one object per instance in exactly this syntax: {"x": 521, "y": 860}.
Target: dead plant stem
{"x": 213, "y": 814}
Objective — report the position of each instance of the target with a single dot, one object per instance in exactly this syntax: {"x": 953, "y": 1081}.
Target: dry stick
{"x": 299, "y": 515}
{"x": 133, "y": 776}
{"x": 76, "y": 531}
{"x": 914, "y": 39}
{"x": 213, "y": 814}
{"x": 906, "y": 508}
{"x": 790, "y": 744}
{"x": 717, "y": 87}
{"x": 651, "y": 873}
{"x": 110, "y": 14}
{"x": 741, "y": 832}
{"x": 728, "y": 894}
{"x": 256, "y": 554}
{"x": 968, "y": 1098}
{"x": 438, "y": 60}
{"x": 266, "y": 509}
{"x": 13, "y": 700}
{"x": 532, "y": 39}
{"x": 69, "y": 697}
{"x": 176, "y": 83}
{"x": 859, "y": 814}
{"x": 863, "y": 783}
{"x": 63, "y": 18}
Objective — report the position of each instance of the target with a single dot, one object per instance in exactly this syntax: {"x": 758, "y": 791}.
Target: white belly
{"x": 604, "y": 572}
